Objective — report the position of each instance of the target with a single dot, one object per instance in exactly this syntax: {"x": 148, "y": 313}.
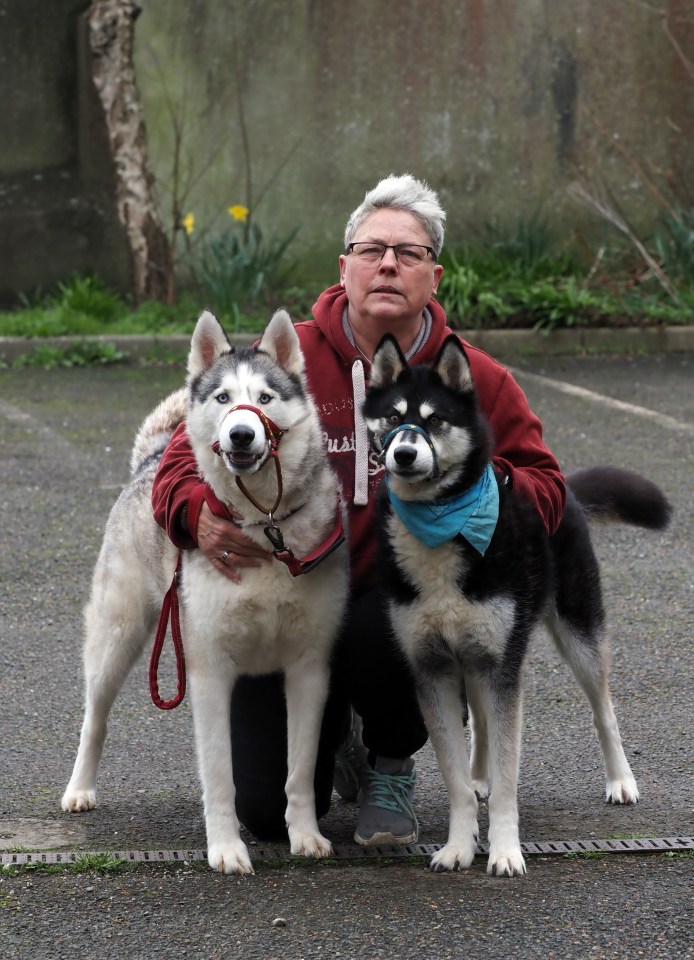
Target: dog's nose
{"x": 241, "y": 436}
{"x": 405, "y": 456}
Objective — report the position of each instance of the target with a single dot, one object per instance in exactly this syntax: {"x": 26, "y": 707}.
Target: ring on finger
{"x": 224, "y": 556}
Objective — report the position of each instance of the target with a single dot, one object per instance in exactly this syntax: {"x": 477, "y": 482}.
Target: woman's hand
{"x": 226, "y": 546}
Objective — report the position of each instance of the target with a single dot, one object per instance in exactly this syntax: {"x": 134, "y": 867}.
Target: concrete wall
{"x": 500, "y": 104}
{"x": 57, "y": 213}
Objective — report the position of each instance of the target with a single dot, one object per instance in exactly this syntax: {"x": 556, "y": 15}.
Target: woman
{"x": 389, "y": 275}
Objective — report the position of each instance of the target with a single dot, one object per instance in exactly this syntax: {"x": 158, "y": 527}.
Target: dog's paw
{"x": 506, "y": 863}
{"x": 306, "y": 844}
{"x": 230, "y": 858}
{"x": 454, "y": 856}
{"x": 76, "y": 801}
{"x": 622, "y": 791}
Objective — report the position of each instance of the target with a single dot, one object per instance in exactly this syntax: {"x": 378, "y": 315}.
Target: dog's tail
{"x": 156, "y": 430}
{"x": 610, "y": 494}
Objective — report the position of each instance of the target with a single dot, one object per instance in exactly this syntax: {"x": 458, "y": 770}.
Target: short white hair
{"x": 402, "y": 193}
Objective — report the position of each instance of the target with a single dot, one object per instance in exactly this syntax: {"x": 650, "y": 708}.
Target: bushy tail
{"x": 156, "y": 429}
{"x": 621, "y": 496}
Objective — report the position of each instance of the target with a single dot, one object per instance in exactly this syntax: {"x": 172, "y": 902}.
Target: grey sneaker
{"x": 386, "y": 814}
{"x": 350, "y": 763}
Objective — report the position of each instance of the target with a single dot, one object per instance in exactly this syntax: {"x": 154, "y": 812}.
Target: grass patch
{"x": 84, "y": 307}
{"x": 83, "y": 353}
{"x": 586, "y": 855}
{"x": 101, "y": 863}
{"x": 98, "y": 863}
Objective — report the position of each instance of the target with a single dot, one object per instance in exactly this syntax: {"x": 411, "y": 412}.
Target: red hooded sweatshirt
{"x": 337, "y": 373}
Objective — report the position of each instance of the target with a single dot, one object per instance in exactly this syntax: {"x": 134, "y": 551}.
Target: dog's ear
{"x": 209, "y": 342}
{"x": 452, "y": 364}
{"x": 280, "y": 341}
{"x": 388, "y": 362}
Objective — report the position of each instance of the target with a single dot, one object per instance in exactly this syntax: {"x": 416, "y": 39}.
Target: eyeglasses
{"x": 407, "y": 254}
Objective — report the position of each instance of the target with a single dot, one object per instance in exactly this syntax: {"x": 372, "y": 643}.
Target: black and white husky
{"x": 463, "y": 604}
{"x": 271, "y": 620}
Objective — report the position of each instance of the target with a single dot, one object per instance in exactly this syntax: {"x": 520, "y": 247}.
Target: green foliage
{"x": 489, "y": 290}
{"x": 81, "y": 306}
{"x": 674, "y": 244}
{"x": 83, "y": 353}
{"x": 88, "y": 296}
{"x": 240, "y": 268}
{"x": 98, "y": 863}
{"x": 526, "y": 250}
{"x": 586, "y": 855}
{"x": 513, "y": 277}
{"x": 520, "y": 279}
{"x": 102, "y": 863}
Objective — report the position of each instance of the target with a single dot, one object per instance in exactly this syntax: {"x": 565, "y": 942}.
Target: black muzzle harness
{"x": 386, "y": 439}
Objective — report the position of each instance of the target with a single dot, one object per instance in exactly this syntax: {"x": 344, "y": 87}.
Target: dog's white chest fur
{"x": 470, "y": 628}
{"x": 269, "y": 620}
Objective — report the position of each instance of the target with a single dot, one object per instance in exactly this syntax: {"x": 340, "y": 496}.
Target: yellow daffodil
{"x": 188, "y": 223}
{"x": 238, "y": 212}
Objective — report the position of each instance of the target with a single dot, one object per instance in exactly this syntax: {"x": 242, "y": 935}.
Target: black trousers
{"x": 369, "y": 673}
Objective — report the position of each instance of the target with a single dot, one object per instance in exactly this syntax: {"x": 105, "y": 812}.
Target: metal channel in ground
{"x": 273, "y": 852}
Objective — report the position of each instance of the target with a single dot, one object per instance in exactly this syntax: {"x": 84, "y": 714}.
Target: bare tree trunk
{"x": 111, "y": 32}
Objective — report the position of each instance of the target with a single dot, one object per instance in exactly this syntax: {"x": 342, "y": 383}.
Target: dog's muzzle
{"x": 242, "y": 438}
{"x": 386, "y": 439}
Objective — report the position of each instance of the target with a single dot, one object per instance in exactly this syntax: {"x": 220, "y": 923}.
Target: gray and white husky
{"x": 464, "y": 599}
{"x": 271, "y": 620}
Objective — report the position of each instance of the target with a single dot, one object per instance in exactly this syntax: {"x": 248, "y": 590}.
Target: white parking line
{"x": 569, "y": 388}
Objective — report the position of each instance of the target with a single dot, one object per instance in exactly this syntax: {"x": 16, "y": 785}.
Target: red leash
{"x": 169, "y": 610}
{"x": 170, "y": 605}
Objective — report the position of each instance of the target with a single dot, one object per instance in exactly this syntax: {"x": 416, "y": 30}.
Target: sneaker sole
{"x": 386, "y": 840}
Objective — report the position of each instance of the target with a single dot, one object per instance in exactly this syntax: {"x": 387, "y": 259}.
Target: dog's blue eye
{"x": 394, "y": 419}
{"x": 222, "y": 398}
{"x": 264, "y": 398}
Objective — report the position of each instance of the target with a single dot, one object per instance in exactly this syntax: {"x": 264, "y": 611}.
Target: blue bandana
{"x": 473, "y": 514}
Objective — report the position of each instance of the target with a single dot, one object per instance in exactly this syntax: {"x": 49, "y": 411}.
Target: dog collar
{"x": 296, "y": 565}
{"x": 300, "y": 565}
{"x": 386, "y": 439}
{"x": 473, "y": 515}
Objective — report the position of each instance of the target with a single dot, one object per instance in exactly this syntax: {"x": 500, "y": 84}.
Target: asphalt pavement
{"x": 65, "y": 436}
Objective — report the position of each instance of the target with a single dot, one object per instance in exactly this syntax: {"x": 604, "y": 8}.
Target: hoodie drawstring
{"x": 361, "y": 437}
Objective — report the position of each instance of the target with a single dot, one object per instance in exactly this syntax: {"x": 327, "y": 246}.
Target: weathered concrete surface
{"x": 57, "y": 205}
{"x": 500, "y": 105}
{"x": 294, "y": 109}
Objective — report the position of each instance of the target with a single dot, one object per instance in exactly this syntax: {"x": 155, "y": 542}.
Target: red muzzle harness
{"x": 296, "y": 565}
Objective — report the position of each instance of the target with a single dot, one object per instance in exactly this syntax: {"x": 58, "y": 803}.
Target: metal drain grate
{"x": 272, "y": 852}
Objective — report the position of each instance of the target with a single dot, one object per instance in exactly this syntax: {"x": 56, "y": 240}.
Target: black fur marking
{"x": 152, "y": 460}
{"x": 286, "y": 385}
{"x": 204, "y": 384}
{"x": 611, "y": 493}
{"x": 434, "y": 657}
{"x": 576, "y": 574}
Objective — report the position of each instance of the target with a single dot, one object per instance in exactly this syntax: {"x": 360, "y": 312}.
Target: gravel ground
{"x": 65, "y": 437}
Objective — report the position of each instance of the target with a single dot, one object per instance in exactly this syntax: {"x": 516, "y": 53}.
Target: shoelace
{"x": 391, "y": 792}
{"x": 346, "y": 760}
